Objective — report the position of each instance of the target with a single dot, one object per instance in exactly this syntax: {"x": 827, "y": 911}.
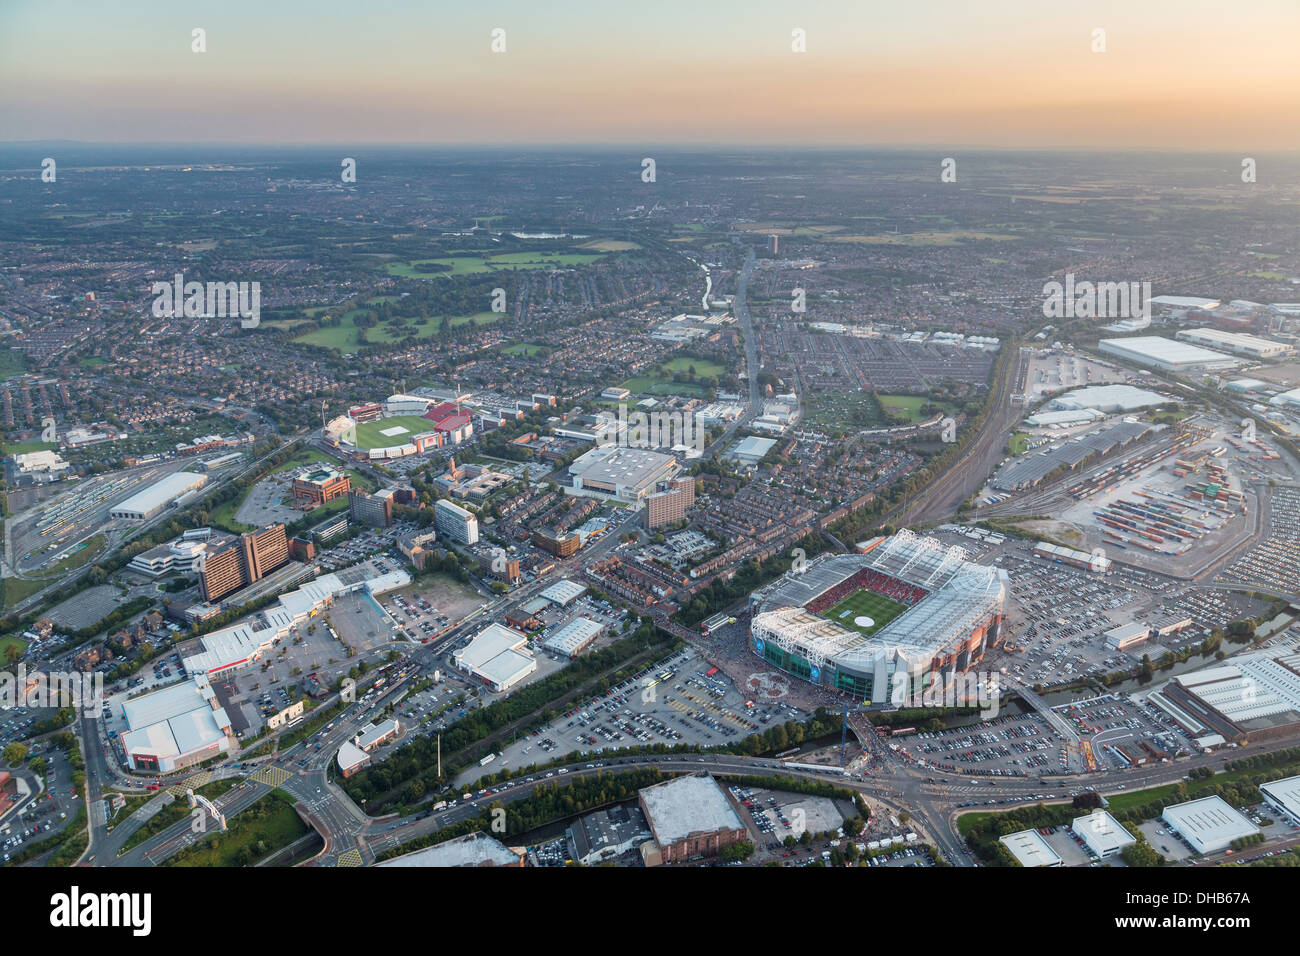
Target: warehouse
{"x": 1107, "y": 398}
{"x": 1101, "y": 834}
{"x": 1284, "y": 797}
{"x": 564, "y": 592}
{"x": 175, "y": 728}
{"x": 574, "y": 638}
{"x": 628, "y": 474}
{"x": 1165, "y": 354}
{"x": 1127, "y": 635}
{"x": 497, "y": 657}
{"x": 474, "y": 849}
{"x": 1208, "y": 825}
{"x": 158, "y": 496}
{"x": 689, "y": 817}
{"x": 1238, "y": 343}
{"x": 1030, "y": 849}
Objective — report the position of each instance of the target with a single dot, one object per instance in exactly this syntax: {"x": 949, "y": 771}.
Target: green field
{"x": 909, "y": 406}
{"x": 473, "y": 265}
{"x": 347, "y": 335}
{"x": 369, "y": 434}
{"x": 6, "y": 643}
{"x": 659, "y": 380}
{"x": 865, "y": 603}
{"x": 526, "y": 349}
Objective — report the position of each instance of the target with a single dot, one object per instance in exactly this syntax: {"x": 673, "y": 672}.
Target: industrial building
{"x": 1068, "y": 454}
{"x": 1247, "y": 697}
{"x": 1127, "y": 635}
{"x": 1237, "y": 343}
{"x": 1030, "y": 849}
{"x": 564, "y": 592}
{"x": 1284, "y": 797}
{"x": 175, "y": 728}
{"x": 473, "y": 849}
{"x": 627, "y": 474}
{"x": 689, "y": 817}
{"x": 1208, "y": 825}
{"x": 607, "y": 834}
{"x": 497, "y": 656}
{"x": 1076, "y": 559}
{"x": 574, "y": 638}
{"x": 44, "y": 463}
{"x": 1101, "y": 833}
{"x": 1167, "y": 355}
{"x": 1111, "y": 399}
{"x": 454, "y": 522}
{"x": 751, "y": 450}
{"x": 159, "y": 496}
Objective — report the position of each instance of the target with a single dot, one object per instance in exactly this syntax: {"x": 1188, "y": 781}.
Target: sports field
{"x": 371, "y": 434}
{"x": 862, "y": 606}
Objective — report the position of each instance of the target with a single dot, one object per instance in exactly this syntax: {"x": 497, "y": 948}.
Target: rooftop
{"x": 678, "y": 808}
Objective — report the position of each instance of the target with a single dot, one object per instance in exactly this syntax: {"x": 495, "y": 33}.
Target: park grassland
{"x": 477, "y": 265}
{"x": 269, "y": 825}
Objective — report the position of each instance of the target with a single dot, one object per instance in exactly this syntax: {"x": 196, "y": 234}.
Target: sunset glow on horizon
{"x": 999, "y": 74}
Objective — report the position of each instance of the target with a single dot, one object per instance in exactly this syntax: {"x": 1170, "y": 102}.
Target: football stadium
{"x": 852, "y": 622}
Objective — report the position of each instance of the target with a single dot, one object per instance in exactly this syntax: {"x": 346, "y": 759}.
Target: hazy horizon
{"x": 1004, "y": 75}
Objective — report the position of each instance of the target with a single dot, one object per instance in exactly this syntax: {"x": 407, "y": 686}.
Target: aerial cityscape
{"x": 555, "y": 492}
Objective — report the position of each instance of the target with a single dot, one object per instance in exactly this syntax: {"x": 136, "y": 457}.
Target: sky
{"x": 1174, "y": 74}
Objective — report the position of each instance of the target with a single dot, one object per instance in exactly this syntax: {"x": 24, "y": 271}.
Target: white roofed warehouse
{"x": 175, "y": 728}
{"x": 497, "y": 656}
{"x": 1101, "y": 833}
{"x": 1208, "y": 825}
{"x": 873, "y": 624}
{"x": 158, "y": 496}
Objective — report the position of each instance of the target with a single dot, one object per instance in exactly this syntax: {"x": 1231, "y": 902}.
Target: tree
{"x": 12, "y": 653}
{"x": 15, "y": 753}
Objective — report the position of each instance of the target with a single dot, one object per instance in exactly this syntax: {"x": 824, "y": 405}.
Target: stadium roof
{"x": 960, "y": 595}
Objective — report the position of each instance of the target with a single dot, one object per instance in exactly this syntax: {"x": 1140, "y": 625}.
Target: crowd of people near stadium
{"x": 871, "y": 580}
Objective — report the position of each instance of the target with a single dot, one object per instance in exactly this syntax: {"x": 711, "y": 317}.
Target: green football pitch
{"x": 371, "y": 434}
{"x": 879, "y": 609}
